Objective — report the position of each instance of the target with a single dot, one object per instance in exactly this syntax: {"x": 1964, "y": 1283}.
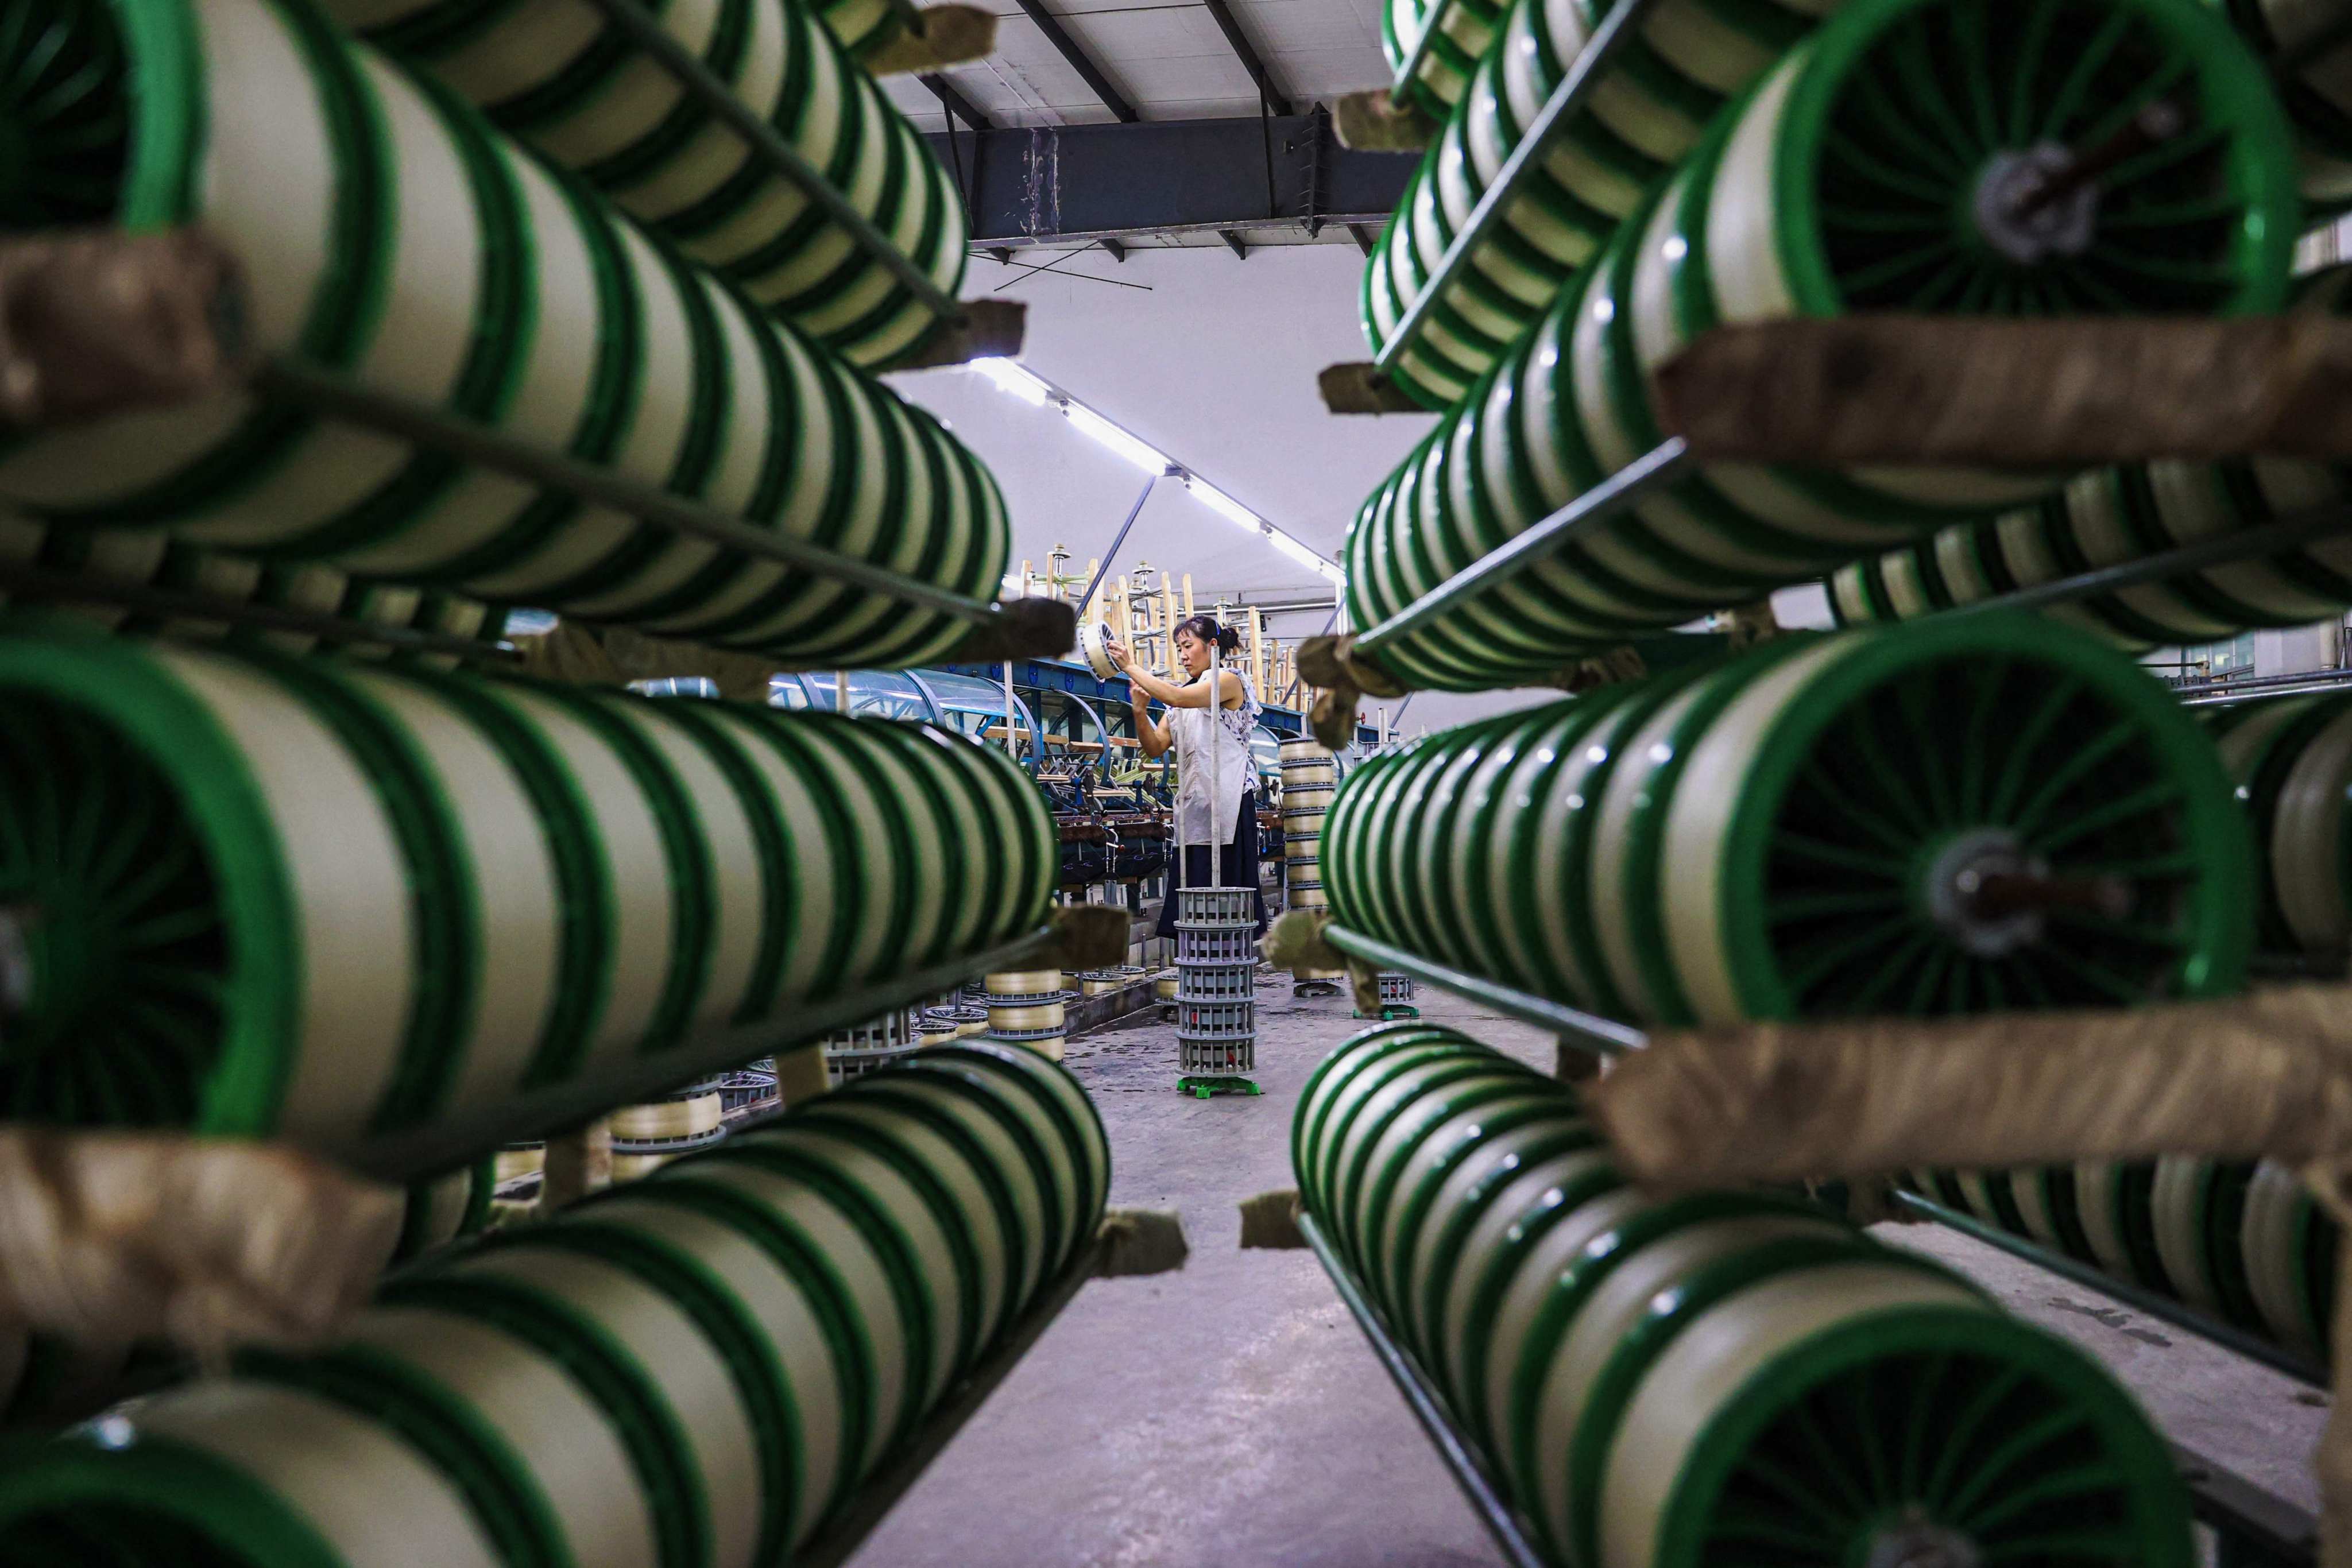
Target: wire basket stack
{"x": 1216, "y": 982}
{"x": 877, "y": 1042}
{"x": 1310, "y": 779}
{"x": 1396, "y": 995}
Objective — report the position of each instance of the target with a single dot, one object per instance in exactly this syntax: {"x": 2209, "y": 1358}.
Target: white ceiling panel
{"x": 1172, "y": 61}
{"x": 1282, "y": 27}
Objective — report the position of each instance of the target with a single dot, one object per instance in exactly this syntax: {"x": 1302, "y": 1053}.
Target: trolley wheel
{"x": 1203, "y": 1088}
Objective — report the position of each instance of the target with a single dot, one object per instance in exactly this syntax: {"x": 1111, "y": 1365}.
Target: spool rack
{"x": 2257, "y": 1529}
{"x": 173, "y": 339}
{"x": 405, "y": 1157}
{"x": 1616, "y": 32}
{"x": 1107, "y": 1258}
{"x": 1400, "y": 90}
{"x": 1667, "y": 462}
{"x": 1593, "y": 1035}
{"x": 2253, "y": 1529}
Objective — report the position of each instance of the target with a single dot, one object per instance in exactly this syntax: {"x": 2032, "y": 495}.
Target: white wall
{"x": 1213, "y": 359}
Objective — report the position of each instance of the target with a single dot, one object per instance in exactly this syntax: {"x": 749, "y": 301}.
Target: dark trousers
{"x": 1240, "y": 868}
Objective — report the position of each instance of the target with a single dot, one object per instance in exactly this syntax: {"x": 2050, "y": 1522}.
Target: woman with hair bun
{"x": 1212, "y": 804}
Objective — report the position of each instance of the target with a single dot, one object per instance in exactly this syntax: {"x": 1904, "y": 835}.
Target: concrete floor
{"x": 1232, "y": 1415}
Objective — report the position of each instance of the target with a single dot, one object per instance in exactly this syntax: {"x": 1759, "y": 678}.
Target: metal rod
{"x": 2140, "y": 1299}
{"x": 339, "y": 397}
{"x": 450, "y": 1142}
{"x": 841, "y": 691}
{"x": 1012, "y": 731}
{"x": 2215, "y": 685}
{"x": 2152, "y": 126}
{"x": 649, "y": 36}
{"x": 1485, "y": 1496}
{"x": 873, "y": 1501}
{"x": 1291, "y": 690}
{"x": 1216, "y": 727}
{"x": 1586, "y": 1031}
{"x": 1118, "y": 539}
{"x": 2208, "y": 694}
{"x": 145, "y": 599}
{"x": 2221, "y": 549}
{"x": 1998, "y": 896}
{"x": 1606, "y": 500}
{"x": 1615, "y": 33}
{"x": 16, "y": 961}
{"x": 2227, "y": 699}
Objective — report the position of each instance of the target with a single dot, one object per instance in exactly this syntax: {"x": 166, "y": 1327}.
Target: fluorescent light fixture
{"x": 1038, "y": 393}
{"x": 1302, "y": 555}
{"x": 1225, "y": 506}
{"x": 1150, "y": 459}
{"x": 1010, "y": 377}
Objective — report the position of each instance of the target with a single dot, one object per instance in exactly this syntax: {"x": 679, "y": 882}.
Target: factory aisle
{"x": 1211, "y": 1416}
{"x": 1208, "y": 1418}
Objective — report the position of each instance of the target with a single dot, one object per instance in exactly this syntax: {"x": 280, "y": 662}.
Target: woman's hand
{"x": 1119, "y": 657}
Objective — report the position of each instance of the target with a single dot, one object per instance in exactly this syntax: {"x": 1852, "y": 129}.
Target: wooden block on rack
{"x": 987, "y": 329}
{"x": 96, "y": 322}
{"x": 107, "y": 1238}
{"x": 1357, "y": 388}
{"x": 1270, "y": 1221}
{"x": 941, "y": 36}
{"x": 1141, "y": 1241}
{"x": 578, "y": 1163}
{"x": 1373, "y": 122}
{"x": 1035, "y": 628}
{"x": 2045, "y": 393}
{"x": 800, "y": 1074}
{"x": 1088, "y": 936}
{"x": 589, "y": 655}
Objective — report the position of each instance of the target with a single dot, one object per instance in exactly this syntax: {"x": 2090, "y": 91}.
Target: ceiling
{"x": 1168, "y": 61}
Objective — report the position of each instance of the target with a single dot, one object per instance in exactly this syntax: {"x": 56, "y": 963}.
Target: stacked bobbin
{"x": 2244, "y": 1243}
{"x": 1462, "y": 30}
{"x": 1310, "y": 781}
{"x": 698, "y": 1369}
{"x": 561, "y": 76}
{"x": 2290, "y": 758}
{"x": 1715, "y": 1377}
{"x": 1900, "y": 182}
{"x": 518, "y": 1162}
{"x": 2111, "y": 516}
{"x": 1786, "y": 208}
{"x": 1216, "y": 982}
{"x": 1962, "y": 815}
{"x": 327, "y": 901}
{"x": 389, "y": 236}
{"x": 447, "y": 1208}
{"x": 647, "y": 1136}
{"x": 105, "y": 559}
{"x": 1028, "y": 1008}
